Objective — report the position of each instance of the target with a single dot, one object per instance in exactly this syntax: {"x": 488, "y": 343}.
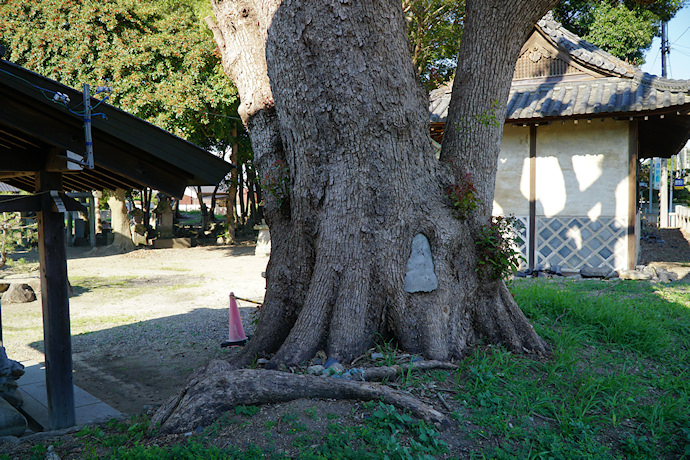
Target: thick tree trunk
{"x": 202, "y": 208}
{"x": 119, "y": 221}
{"x": 350, "y": 122}
{"x": 241, "y": 187}
{"x": 231, "y": 200}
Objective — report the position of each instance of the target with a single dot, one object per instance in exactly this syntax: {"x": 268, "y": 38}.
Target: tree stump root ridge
{"x": 220, "y": 387}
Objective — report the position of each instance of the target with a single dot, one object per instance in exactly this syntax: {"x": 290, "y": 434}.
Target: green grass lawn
{"x": 617, "y": 387}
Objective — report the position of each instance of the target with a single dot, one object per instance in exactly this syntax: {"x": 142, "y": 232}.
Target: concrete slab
{"x": 12, "y": 423}
{"x": 176, "y": 243}
{"x": 35, "y": 410}
{"x": 33, "y": 373}
{"x": 32, "y": 387}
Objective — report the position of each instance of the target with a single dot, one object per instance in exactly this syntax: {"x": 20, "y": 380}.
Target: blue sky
{"x": 679, "y": 39}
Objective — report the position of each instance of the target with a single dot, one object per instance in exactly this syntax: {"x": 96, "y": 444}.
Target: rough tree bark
{"x": 119, "y": 221}
{"x": 344, "y": 111}
{"x": 219, "y": 387}
{"x": 231, "y": 200}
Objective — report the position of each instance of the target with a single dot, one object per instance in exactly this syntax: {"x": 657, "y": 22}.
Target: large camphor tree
{"x": 339, "y": 128}
{"x": 366, "y": 242}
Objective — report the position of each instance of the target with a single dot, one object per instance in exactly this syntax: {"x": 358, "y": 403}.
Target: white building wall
{"x": 582, "y": 169}
{"x": 581, "y": 190}
{"x": 511, "y": 195}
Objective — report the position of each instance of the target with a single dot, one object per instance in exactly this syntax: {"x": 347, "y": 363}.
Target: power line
{"x": 681, "y": 35}
{"x": 684, "y": 53}
{"x": 655, "y": 58}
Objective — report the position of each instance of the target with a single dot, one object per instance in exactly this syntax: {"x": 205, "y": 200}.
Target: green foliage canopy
{"x": 624, "y": 28}
{"x": 159, "y": 60}
{"x": 434, "y": 28}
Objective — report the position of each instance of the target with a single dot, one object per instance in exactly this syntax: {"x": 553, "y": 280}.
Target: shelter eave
{"x": 128, "y": 152}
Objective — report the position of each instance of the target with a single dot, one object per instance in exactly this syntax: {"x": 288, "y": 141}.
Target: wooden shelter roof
{"x": 36, "y": 133}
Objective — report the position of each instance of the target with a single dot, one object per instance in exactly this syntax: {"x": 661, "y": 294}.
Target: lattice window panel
{"x": 574, "y": 242}
{"x": 521, "y": 238}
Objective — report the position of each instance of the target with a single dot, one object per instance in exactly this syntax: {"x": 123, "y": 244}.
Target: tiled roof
{"x": 603, "y": 96}
{"x": 583, "y": 50}
{"x": 611, "y": 95}
{"x": 626, "y": 90}
{"x": 7, "y": 188}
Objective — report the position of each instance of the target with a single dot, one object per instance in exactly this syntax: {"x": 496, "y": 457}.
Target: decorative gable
{"x": 537, "y": 61}
{"x": 542, "y": 58}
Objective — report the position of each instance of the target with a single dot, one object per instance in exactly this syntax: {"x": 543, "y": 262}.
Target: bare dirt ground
{"x": 142, "y": 321}
{"x": 668, "y": 248}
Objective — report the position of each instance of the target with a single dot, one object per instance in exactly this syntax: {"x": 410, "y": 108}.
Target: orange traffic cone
{"x": 236, "y": 336}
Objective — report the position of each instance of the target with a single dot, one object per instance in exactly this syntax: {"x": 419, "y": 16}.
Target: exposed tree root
{"x": 380, "y": 373}
{"x": 219, "y": 387}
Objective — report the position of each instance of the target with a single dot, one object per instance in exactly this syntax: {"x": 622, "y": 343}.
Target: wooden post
{"x": 532, "y": 237}
{"x": 55, "y": 300}
{"x": 663, "y": 194}
{"x": 632, "y": 196}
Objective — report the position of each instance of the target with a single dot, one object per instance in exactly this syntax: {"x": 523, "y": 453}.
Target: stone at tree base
{"x": 634, "y": 275}
{"x": 420, "y": 276}
{"x": 651, "y": 271}
{"x": 18, "y": 293}
{"x": 13, "y": 396}
{"x": 592, "y": 272}
{"x": 665, "y": 276}
{"x": 12, "y": 423}
{"x": 316, "y": 370}
{"x": 662, "y": 278}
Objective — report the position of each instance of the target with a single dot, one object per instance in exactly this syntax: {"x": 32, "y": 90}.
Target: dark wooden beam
{"x": 21, "y": 142}
{"x": 20, "y": 203}
{"x": 107, "y": 175}
{"x": 71, "y": 204}
{"x": 33, "y": 203}
{"x": 17, "y": 160}
{"x": 5, "y": 175}
{"x": 55, "y": 300}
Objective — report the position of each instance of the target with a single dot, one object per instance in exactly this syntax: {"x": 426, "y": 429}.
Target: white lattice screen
{"x": 574, "y": 242}
{"x": 521, "y": 238}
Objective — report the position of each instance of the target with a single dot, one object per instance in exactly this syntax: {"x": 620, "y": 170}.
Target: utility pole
{"x": 665, "y": 49}
{"x": 664, "y": 186}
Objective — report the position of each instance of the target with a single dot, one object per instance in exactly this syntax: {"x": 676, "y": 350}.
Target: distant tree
{"x": 434, "y": 28}
{"x": 624, "y": 28}
{"x": 158, "y": 58}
